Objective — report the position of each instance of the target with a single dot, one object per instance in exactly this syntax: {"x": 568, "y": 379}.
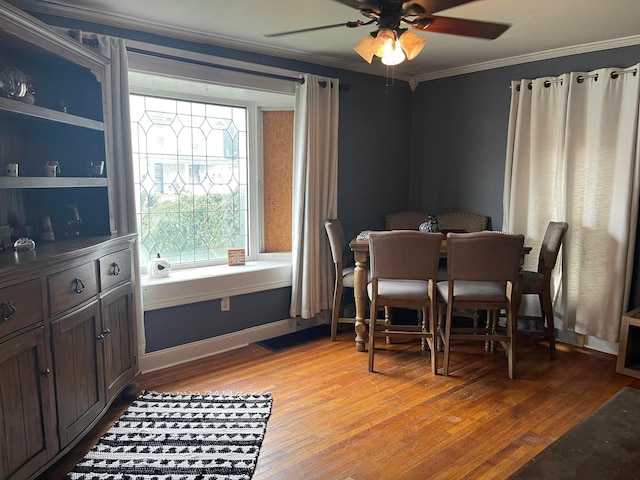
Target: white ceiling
{"x": 539, "y": 29}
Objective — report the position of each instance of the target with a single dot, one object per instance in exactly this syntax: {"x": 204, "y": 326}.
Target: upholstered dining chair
{"x": 343, "y": 274}
{"x": 468, "y": 222}
{"x": 483, "y": 274}
{"x": 408, "y": 220}
{"x": 539, "y": 283}
{"x": 462, "y": 222}
{"x": 403, "y": 267}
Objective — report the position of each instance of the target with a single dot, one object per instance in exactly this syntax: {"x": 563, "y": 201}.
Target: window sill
{"x": 183, "y": 287}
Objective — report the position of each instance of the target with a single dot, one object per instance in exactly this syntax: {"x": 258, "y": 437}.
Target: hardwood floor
{"x": 332, "y": 419}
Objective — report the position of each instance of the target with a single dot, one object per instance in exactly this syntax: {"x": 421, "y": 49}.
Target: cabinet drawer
{"x": 72, "y": 287}
{"x": 20, "y": 306}
{"x": 115, "y": 268}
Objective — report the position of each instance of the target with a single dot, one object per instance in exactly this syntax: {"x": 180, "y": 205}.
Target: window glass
{"x": 191, "y": 178}
{"x": 201, "y": 172}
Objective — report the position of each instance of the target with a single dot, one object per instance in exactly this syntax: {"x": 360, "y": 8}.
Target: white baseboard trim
{"x": 193, "y": 351}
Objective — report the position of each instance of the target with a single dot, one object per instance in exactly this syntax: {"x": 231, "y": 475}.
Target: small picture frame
{"x": 236, "y": 256}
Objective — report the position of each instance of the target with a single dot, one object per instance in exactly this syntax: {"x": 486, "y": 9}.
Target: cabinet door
{"x": 27, "y": 413}
{"x": 120, "y": 359}
{"x": 78, "y": 366}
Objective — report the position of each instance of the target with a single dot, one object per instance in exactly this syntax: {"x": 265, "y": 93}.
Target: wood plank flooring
{"x": 332, "y": 419}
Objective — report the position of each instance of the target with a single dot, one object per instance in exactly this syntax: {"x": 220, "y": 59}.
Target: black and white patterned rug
{"x": 165, "y": 436}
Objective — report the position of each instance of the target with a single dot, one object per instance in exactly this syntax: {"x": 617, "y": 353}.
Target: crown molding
{"x": 60, "y": 9}
{"x": 533, "y": 57}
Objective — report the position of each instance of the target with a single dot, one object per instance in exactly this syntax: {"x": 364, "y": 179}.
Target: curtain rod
{"x": 343, "y": 87}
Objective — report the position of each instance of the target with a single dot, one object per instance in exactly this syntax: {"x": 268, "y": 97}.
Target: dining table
{"x": 360, "y": 248}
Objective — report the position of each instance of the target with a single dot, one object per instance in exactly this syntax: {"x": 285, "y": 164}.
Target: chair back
{"x": 469, "y": 222}
{"x": 484, "y": 256}
{"x": 551, "y": 243}
{"x": 337, "y": 240}
{"x": 404, "y": 254}
{"x": 405, "y": 220}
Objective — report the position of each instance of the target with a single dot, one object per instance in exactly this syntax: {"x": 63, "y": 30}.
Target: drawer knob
{"x": 46, "y": 372}
{"x": 107, "y": 332}
{"x": 8, "y": 311}
{"x": 116, "y": 269}
{"x": 79, "y": 285}
{"x": 100, "y": 337}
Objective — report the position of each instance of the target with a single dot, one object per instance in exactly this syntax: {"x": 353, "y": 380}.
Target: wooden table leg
{"x": 360, "y": 296}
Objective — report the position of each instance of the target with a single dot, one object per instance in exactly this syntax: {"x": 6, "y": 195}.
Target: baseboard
{"x": 592, "y": 343}
{"x": 193, "y": 351}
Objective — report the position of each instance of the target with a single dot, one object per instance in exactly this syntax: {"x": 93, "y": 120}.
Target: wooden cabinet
{"x": 67, "y": 345}
{"x": 20, "y": 306}
{"x": 67, "y": 323}
{"x": 63, "y": 122}
{"x": 27, "y": 413}
{"x": 78, "y": 367}
{"x": 119, "y": 341}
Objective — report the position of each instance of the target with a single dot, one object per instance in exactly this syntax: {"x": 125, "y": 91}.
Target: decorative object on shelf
{"x": 46, "y": 229}
{"x": 52, "y": 169}
{"x": 159, "y": 267}
{"x": 431, "y": 225}
{"x": 24, "y": 245}
{"x": 5, "y": 237}
{"x": 13, "y": 82}
{"x": 12, "y": 170}
{"x": 95, "y": 169}
{"x": 74, "y": 222}
{"x": 30, "y": 96}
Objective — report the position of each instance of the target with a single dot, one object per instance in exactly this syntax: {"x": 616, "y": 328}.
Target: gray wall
{"x": 460, "y": 132}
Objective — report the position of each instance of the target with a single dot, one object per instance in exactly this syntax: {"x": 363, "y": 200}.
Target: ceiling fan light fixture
{"x": 384, "y": 43}
{"x": 396, "y": 57}
{"x": 365, "y": 48}
{"x": 411, "y": 43}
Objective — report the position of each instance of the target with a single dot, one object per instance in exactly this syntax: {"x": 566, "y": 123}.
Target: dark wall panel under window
{"x": 171, "y": 327}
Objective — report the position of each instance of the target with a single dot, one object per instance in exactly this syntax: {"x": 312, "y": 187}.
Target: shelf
{"x": 49, "y": 182}
{"x": 24, "y": 109}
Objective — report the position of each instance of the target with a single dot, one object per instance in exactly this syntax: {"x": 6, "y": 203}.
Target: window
{"x": 200, "y": 179}
{"x": 190, "y": 170}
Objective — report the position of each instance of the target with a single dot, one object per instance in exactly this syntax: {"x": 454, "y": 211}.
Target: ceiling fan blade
{"x": 433, "y": 6}
{"x": 357, "y": 23}
{"x": 460, "y": 26}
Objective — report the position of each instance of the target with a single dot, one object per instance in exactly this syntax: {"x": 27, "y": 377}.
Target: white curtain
{"x": 315, "y": 193}
{"x": 118, "y": 141}
{"x": 572, "y": 155}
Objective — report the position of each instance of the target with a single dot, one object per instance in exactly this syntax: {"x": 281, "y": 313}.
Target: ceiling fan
{"x": 393, "y": 43}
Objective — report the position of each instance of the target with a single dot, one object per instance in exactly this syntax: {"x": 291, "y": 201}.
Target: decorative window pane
{"x": 190, "y": 172}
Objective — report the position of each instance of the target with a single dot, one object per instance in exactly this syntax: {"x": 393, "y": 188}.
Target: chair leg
{"x": 511, "y": 344}
{"x": 489, "y": 345}
{"x": 336, "y": 312}
{"x": 434, "y": 336}
{"x": 387, "y": 321}
{"x": 549, "y": 326}
{"x": 423, "y": 323}
{"x": 440, "y": 334}
{"x": 372, "y": 334}
{"x": 447, "y": 341}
